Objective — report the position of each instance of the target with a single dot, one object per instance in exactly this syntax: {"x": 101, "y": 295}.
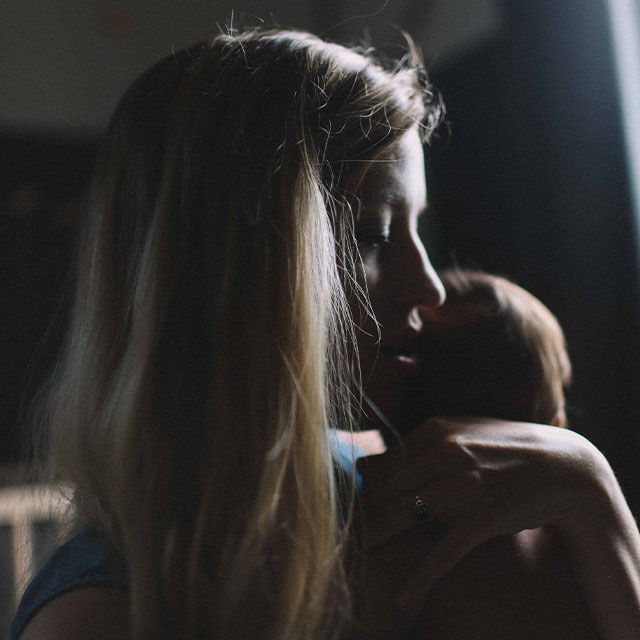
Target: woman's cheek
{"x": 372, "y": 277}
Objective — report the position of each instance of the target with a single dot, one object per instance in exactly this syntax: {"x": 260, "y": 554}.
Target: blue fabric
{"x": 345, "y": 455}
{"x": 85, "y": 560}
{"x": 88, "y": 559}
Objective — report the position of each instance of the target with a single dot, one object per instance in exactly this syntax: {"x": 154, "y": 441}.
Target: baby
{"x": 492, "y": 349}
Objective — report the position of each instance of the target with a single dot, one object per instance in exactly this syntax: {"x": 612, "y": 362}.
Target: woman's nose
{"x": 421, "y": 287}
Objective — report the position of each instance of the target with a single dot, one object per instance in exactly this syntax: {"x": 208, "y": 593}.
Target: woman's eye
{"x": 373, "y": 240}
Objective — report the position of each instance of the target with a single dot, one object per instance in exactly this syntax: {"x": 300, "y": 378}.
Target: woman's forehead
{"x": 397, "y": 176}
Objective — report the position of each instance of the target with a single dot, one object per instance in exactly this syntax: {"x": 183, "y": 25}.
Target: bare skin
{"x": 98, "y": 613}
{"x": 494, "y": 480}
{"x": 518, "y": 586}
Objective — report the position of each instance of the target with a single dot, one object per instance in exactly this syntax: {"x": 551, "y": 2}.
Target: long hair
{"x": 206, "y": 356}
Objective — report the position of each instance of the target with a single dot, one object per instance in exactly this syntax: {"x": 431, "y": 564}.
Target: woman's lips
{"x": 404, "y": 359}
{"x": 403, "y": 352}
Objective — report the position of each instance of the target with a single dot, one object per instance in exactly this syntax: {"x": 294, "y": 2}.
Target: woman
{"x": 252, "y": 274}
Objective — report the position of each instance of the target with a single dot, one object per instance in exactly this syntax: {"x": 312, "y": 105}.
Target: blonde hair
{"x": 206, "y": 353}
{"x": 492, "y": 349}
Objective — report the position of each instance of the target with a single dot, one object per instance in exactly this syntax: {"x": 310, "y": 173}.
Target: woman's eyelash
{"x": 373, "y": 240}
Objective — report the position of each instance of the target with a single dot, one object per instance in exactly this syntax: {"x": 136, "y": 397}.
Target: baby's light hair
{"x": 492, "y": 349}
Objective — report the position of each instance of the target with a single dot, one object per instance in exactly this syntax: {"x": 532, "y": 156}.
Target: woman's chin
{"x": 390, "y": 389}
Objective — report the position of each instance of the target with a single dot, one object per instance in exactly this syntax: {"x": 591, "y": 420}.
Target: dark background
{"x": 531, "y": 182}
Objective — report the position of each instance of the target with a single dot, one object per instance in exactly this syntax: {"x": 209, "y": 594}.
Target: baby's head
{"x": 492, "y": 349}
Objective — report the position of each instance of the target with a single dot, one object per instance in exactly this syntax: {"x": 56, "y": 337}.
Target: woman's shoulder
{"x": 99, "y": 613}
{"x": 83, "y": 573}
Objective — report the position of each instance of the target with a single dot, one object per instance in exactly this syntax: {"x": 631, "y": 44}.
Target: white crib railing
{"x": 21, "y": 507}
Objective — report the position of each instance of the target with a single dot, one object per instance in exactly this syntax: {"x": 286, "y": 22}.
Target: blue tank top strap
{"x": 87, "y": 559}
{"x": 345, "y": 456}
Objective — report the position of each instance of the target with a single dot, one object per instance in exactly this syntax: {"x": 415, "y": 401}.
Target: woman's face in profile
{"x": 395, "y": 270}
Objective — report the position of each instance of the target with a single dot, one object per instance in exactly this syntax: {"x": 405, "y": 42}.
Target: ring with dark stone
{"x": 421, "y": 512}
{"x": 429, "y": 524}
